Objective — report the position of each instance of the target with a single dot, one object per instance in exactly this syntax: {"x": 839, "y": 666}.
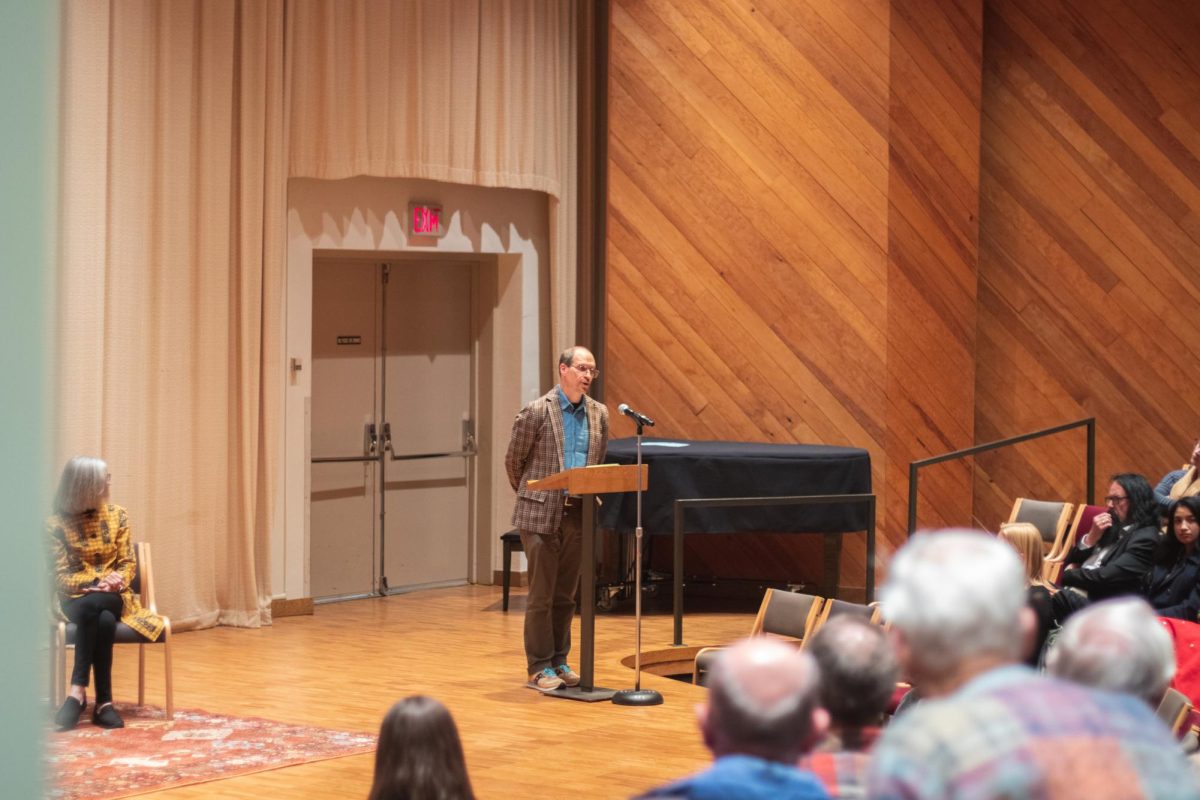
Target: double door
{"x": 392, "y": 438}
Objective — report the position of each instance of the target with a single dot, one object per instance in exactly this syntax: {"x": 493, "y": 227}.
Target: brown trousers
{"x": 554, "y": 561}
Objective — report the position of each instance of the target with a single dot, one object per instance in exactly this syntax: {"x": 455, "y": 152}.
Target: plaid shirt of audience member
{"x": 842, "y": 770}
{"x": 1013, "y": 733}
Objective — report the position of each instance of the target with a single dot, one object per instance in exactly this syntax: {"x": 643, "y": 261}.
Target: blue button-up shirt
{"x": 575, "y": 431}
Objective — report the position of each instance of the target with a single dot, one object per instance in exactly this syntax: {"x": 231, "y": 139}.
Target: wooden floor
{"x": 344, "y": 666}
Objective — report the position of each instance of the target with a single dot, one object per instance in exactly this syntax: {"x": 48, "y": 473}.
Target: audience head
{"x": 858, "y": 671}
{"x": 1026, "y": 539}
{"x": 1131, "y": 500}
{"x": 82, "y": 487}
{"x": 763, "y": 701}
{"x": 1183, "y": 521}
{"x": 419, "y": 754}
{"x": 1117, "y": 645}
{"x": 956, "y": 601}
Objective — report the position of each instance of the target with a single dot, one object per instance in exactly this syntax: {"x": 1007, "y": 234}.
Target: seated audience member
{"x": 1026, "y": 540}
{"x": 1171, "y": 584}
{"x": 990, "y": 727}
{"x": 94, "y": 564}
{"x": 1117, "y": 645}
{"x": 1179, "y": 482}
{"x": 1112, "y": 558}
{"x": 762, "y": 714}
{"x": 858, "y": 677}
{"x": 419, "y": 755}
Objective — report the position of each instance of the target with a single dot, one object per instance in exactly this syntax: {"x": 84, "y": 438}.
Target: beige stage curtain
{"x": 171, "y": 252}
{"x": 181, "y": 122}
{"x": 465, "y": 91}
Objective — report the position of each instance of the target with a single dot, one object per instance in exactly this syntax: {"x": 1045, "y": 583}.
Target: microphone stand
{"x": 637, "y": 696}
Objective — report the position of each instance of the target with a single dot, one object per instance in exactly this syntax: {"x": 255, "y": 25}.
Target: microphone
{"x": 641, "y": 419}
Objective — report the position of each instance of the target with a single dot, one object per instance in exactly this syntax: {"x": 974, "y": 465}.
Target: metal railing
{"x": 915, "y": 466}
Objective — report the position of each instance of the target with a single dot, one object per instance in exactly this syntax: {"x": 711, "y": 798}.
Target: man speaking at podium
{"x": 562, "y": 429}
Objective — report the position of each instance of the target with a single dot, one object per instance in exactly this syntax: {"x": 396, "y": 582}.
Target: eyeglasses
{"x": 582, "y": 370}
{"x": 1115, "y": 498}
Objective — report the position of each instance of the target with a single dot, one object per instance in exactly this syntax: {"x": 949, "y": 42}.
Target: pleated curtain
{"x": 180, "y": 124}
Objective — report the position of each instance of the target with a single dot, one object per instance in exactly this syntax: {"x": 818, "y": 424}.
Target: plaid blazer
{"x": 535, "y": 450}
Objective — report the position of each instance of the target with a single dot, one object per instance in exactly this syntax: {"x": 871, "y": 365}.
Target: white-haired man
{"x": 1117, "y": 645}
{"x": 988, "y": 726}
{"x": 762, "y": 715}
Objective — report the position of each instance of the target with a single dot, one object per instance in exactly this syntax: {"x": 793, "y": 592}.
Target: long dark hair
{"x": 1143, "y": 511}
{"x": 419, "y": 755}
{"x": 1169, "y": 548}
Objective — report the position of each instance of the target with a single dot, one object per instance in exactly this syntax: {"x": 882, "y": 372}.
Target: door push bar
{"x": 375, "y": 446}
{"x": 468, "y": 447}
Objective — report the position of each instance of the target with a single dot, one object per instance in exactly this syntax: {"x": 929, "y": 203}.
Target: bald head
{"x": 763, "y": 701}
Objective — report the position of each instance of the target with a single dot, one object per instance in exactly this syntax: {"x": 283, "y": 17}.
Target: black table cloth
{"x": 683, "y": 469}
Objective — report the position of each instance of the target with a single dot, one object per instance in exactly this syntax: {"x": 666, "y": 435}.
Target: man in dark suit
{"x": 562, "y": 429}
{"x": 1111, "y": 559}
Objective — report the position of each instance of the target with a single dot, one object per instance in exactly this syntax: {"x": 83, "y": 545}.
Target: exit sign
{"x": 425, "y": 219}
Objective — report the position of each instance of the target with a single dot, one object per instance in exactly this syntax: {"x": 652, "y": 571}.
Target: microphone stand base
{"x": 637, "y": 697}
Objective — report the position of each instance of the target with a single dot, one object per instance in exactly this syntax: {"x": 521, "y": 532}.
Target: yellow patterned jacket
{"x": 88, "y": 546}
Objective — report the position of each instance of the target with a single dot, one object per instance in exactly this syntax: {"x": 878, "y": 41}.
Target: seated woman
{"x": 1026, "y": 539}
{"x": 93, "y": 565}
{"x": 419, "y": 755}
{"x": 1171, "y": 584}
{"x": 1179, "y": 483}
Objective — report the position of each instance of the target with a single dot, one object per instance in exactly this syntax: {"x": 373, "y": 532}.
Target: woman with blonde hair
{"x": 94, "y": 564}
{"x": 1026, "y": 539}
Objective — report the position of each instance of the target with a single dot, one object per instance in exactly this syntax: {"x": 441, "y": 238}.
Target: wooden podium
{"x": 586, "y": 482}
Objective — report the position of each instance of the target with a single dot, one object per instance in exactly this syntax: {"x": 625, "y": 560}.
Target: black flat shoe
{"x": 68, "y": 714}
{"x": 107, "y": 717}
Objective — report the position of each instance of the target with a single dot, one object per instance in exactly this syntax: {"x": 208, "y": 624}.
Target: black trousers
{"x": 95, "y": 616}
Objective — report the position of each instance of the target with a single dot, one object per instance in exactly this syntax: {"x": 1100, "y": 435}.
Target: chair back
{"x": 1174, "y": 710}
{"x": 791, "y": 614}
{"x": 1053, "y": 568}
{"x": 834, "y": 607}
{"x": 1048, "y": 516}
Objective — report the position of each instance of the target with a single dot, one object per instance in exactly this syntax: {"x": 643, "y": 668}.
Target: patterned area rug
{"x": 150, "y": 753}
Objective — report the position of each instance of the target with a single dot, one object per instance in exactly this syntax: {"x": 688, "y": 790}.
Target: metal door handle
{"x": 468, "y": 446}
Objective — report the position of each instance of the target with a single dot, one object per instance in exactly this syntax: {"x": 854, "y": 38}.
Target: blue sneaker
{"x": 569, "y": 676}
{"x": 545, "y": 681}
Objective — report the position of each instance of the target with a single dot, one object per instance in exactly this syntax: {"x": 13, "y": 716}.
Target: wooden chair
{"x": 787, "y": 614}
{"x": 834, "y": 607}
{"x": 1174, "y": 710}
{"x": 63, "y": 637}
{"x": 1053, "y": 566}
{"x": 1049, "y": 517}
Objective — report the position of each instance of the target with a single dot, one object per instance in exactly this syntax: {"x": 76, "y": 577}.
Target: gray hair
{"x": 567, "y": 357}
{"x": 955, "y": 594}
{"x": 82, "y": 485}
{"x": 858, "y": 670}
{"x": 762, "y": 695}
{"x": 1117, "y": 645}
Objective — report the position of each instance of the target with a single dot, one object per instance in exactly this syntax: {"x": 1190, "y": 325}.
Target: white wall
{"x": 511, "y": 229}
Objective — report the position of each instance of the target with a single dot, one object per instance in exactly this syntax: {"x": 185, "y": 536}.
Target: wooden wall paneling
{"x": 748, "y": 219}
{"x": 935, "y": 93}
{"x": 1089, "y": 196}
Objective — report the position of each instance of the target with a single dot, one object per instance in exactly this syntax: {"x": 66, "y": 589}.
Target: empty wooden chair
{"x": 791, "y": 615}
{"x": 834, "y": 607}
